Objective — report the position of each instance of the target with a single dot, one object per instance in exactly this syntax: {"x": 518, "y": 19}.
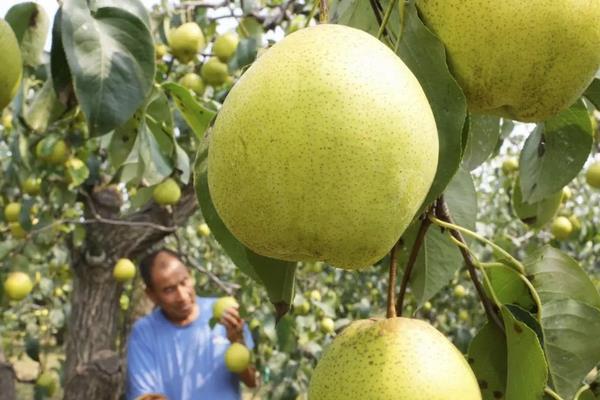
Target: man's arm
{"x": 234, "y": 326}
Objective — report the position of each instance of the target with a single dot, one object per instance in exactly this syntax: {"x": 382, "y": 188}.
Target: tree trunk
{"x": 94, "y": 368}
{"x": 7, "y": 379}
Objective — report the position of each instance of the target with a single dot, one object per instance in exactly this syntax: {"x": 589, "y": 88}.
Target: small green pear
{"x": 214, "y": 72}
{"x": 12, "y": 64}
{"x": 186, "y": 41}
{"x": 237, "y": 358}
{"x": 395, "y": 358}
{"x": 510, "y": 165}
{"x": 222, "y": 304}
{"x": 17, "y": 285}
{"x": 167, "y": 192}
{"x": 12, "y": 211}
{"x": 124, "y": 270}
{"x": 193, "y": 82}
{"x": 592, "y": 175}
{"x": 225, "y": 46}
{"x": 327, "y": 326}
{"x": 561, "y": 228}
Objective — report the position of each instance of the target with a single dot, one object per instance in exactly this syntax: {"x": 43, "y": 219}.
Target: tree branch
{"x": 391, "y": 307}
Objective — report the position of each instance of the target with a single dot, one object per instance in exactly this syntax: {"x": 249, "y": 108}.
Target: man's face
{"x": 173, "y": 287}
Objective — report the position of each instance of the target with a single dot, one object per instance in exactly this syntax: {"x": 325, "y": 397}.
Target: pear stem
{"x": 323, "y": 11}
{"x": 386, "y": 18}
{"x": 425, "y": 224}
{"x": 552, "y": 393}
{"x": 443, "y": 213}
{"x": 391, "y": 304}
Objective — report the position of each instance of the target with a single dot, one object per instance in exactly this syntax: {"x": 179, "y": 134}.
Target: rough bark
{"x": 94, "y": 368}
{"x": 7, "y": 379}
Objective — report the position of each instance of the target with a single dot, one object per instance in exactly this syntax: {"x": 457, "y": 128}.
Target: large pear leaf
{"x": 508, "y": 287}
{"x": 135, "y": 7}
{"x": 488, "y": 359}
{"x": 593, "y": 93}
{"x": 44, "y": 109}
{"x": 555, "y": 152}
{"x": 157, "y": 164}
{"x": 196, "y": 116}
{"x": 30, "y": 24}
{"x": 484, "y": 133}
{"x": 556, "y": 276}
{"x": 59, "y": 67}
{"x": 277, "y": 276}
{"x": 111, "y": 57}
{"x": 571, "y": 331}
{"x": 439, "y": 258}
{"x": 526, "y": 365}
{"x": 425, "y": 55}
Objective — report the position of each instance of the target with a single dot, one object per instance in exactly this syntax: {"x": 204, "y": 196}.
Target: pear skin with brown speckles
{"x": 392, "y": 359}
{"x": 324, "y": 150}
{"x": 524, "y": 60}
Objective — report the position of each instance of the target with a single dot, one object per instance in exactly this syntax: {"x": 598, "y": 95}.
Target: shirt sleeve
{"x": 142, "y": 371}
{"x": 248, "y": 337}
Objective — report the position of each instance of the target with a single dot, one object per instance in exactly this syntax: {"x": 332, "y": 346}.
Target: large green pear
{"x": 323, "y": 150}
{"x": 12, "y": 64}
{"x": 392, "y": 359}
{"x": 524, "y": 60}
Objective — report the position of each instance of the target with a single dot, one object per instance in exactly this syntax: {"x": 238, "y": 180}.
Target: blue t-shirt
{"x": 181, "y": 362}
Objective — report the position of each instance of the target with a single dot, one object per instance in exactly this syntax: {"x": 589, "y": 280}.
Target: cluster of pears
{"x": 187, "y": 41}
{"x": 237, "y": 356}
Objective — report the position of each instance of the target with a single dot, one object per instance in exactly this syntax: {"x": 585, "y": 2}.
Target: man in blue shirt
{"x": 173, "y": 351}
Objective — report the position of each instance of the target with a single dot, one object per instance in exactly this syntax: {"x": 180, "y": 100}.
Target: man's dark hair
{"x": 147, "y": 264}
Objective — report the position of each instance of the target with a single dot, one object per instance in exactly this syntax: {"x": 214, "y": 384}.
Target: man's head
{"x": 169, "y": 284}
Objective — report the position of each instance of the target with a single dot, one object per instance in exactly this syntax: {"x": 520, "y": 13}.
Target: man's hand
{"x": 233, "y": 325}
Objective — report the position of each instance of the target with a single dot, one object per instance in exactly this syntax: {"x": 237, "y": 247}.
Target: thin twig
{"x": 425, "y": 223}
{"x": 391, "y": 306}
{"x": 443, "y": 213}
{"x": 552, "y": 393}
{"x": 386, "y": 18}
{"x": 323, "y": 11}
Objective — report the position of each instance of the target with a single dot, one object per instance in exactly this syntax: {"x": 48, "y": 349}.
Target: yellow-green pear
{"x": 327, "y": 326}
{"x": 561, "y": 228}
{"x": 395, "y": 358}
{"x": 566, "y": 194}
{"x": 459, "y": 291}
{"x": 186, "y": 41}
{"x": 524, "y": 60}
{"x": 17, "y": 285}
{"x": 324, "y": 149}
{"x": 214, "y": 72}
{"x": 237, "y": 358}
{"x": 12, "y": 64}
{"x": 17, "y": 230}
{"x": 193, "y": 82}
{"x": 124, "y": 270}
{"x": 32, "y": 185}
{"x": 225, "y": 46}
{"x": 167, "y": 192}
{"x": 592, "y": 175}
{"x": 575, "y": 222}
{"x": 58, "y": 154}
{"x": 12, "y": 211}
{"x": 160, "y": 50}
{"x": 47, "y": 381}
{"x": 536, "y": 214}
{"x": 222, "y": 304}
{"x": 203, "y": 229}
{"x": 510, "y": 165}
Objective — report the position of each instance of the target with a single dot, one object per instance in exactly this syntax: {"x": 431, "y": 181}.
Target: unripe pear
{"x": 566, "y": 194}
{"x": 561, "y": 228}
{"x": 12, "y": 211}
{"x": 315, "y": 157}
{"x": 17, "y": 285}
{"x": 395, "y": 358}
{"x": 575, "y": 222}
{"x": 222, "y": 304}
{"x": 237, "y": 358}
{"x": 225, "y": 46}
{"x": 124, "y": 270}
{"x": 48, "y": 382}
{"x": 160, "y": 50}
{"x": 17, "y": 230}
{"x": 327, "y": 326}
{"x": 167, "y": 192}
{"x": 592, "y": 175}
{"x": 193, "y": 82}
{"x": 510, "y": 165}
{"x": 12, "y": 64}
{"x": 523, "y": 60}
{"x": 186, "y": 41}
{"x": 459, "y": 291}
{"x": 32, "y": 186}
{"x": 57, "y": 155}
{"x": 214, "y": 72}
{"x": 203, "y": 230}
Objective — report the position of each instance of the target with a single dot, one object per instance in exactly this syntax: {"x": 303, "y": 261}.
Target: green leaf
{"x": 277, "y": 276}
{"x": 526, "y": 366}
{"x": 30, "y": 23}
{"x": 556, "y": 276}
{"x": 244, "y": 55}
{"x": 182, "y": 163}
{"x": 32, "y": 348}
{"x": 571, "y": 331}
{"x": 44, "y": 109}
{"x": 123, "y": 140}
{"x": 586, "y": 395}
{"x": 555, "y": 152}
{"x": 59, "y": 67}
{"x": 196, "y": 116}
{"x": 439, "y": 258}
{"x": 425, "y": 55}
{"x": 157, "y": 164}
{"x": 593, "y": 93}
{"x": 508, "y": 287}
{"x": 484, "y": 133}
{"x": 135, "y": 7}
{"x": 286, "y": 334}
{"x": 488, "y": 359}
{"x": 111, "y": 56}
{"x": 535, "y": 214}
